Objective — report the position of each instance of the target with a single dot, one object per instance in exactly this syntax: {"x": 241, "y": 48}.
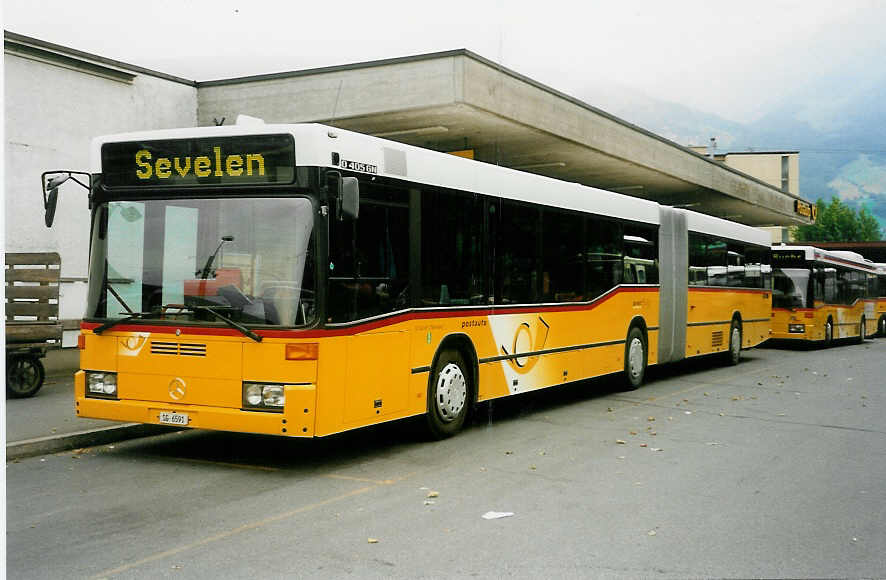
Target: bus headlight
{"x": 272, "y": 396}
{"x": 253, "y": 395}
{"x": 263, "y": 396}
{"x": 101, "y": 384}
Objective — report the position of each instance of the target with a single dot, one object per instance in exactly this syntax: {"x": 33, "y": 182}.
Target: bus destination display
{"x": 788, "y": 258}
{"x": 218, "y": 161}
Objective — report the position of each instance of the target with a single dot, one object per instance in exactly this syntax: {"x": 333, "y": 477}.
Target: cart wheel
{"x": 24, "y": 376}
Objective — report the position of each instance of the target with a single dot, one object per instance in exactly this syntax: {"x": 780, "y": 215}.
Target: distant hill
{"x": 838, "y": 125}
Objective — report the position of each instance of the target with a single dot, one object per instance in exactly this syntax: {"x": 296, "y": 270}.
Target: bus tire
{"x": 862, "y": 328}
{"x": 449, "y": 394}
{"x": 881, "y": 327}
{"x": 733, "y": 355}
{"x": 636, "y": 355}
{"x": 828, "y": 333}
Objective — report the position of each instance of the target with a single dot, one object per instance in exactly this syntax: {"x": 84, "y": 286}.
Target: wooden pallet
{"x": 32, "y": 290}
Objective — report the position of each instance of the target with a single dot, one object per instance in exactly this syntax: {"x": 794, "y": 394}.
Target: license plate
{"x": 170, "y": 418}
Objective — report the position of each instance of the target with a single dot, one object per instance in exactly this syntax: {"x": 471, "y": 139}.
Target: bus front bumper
{"x": 296, "y": 420}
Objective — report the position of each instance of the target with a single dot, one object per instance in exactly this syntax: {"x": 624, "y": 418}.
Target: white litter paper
{"x": 497, "y": 515}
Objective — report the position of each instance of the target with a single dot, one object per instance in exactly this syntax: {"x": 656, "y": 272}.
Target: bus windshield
{"x": 790, "y": 288}
{"x": 250, "y": 260}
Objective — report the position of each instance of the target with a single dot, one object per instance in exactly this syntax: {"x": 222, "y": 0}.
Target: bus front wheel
{"x": 882, "y": 326}
{"x": 862, "y": 329}
{"x": 449, "y": 395}
{"x": 828, "y": 333}
{"x": 635, "y": 359}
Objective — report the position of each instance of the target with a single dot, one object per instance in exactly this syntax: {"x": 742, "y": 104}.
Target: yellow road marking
{"x": 225, "y": 464}
{"x": 362, "y": 479}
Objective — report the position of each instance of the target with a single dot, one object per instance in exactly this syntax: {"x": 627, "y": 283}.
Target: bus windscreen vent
{"x": 178, "y": 349}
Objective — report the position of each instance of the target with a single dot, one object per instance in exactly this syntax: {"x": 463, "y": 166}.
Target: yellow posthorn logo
{"x": 218, "y": 165}
{"x": 527, "y": 339}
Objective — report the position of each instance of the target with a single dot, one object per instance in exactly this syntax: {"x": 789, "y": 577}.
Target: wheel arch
{"x": 639, "y": 322}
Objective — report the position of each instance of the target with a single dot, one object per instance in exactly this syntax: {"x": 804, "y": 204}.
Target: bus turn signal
{"x": 302, "y": 351}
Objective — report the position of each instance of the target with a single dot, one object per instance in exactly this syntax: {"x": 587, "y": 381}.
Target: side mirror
{"x": 49, "y": 184}
{"x": 349, "y": 197}
{"x": 347, "y": 194}
{"x": 50, "y": 200}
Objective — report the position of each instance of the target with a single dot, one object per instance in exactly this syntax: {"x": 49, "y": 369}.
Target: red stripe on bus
{"x": 372, "y": 325}
{"x": 728, "y": 289}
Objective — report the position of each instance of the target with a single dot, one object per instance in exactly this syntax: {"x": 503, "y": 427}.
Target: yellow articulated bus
{"x": 822, "y": 295}
{"x": 303, "y": 280}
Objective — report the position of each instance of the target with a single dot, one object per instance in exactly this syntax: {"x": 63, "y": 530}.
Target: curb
{"x": 88, "y": 438}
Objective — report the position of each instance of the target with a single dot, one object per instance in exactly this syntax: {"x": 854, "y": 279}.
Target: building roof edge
{"x": 15, "y": 38}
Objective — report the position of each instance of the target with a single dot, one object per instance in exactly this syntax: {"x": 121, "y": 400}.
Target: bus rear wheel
{"x": 449, "y": 395}
{"x": 635, "y": 359}
{"x": 882, "y": 326}
{"x": 734, "y": 353}
{"x": 828, "y": 333}
{"x": 862, "y": 328}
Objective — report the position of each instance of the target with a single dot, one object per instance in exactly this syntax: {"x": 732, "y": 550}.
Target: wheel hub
{"x": 635, "y": 357}
{"x": 451, "y": 393}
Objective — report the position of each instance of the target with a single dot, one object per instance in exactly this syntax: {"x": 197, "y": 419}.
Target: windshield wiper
{"x": 112, "y": 323}
{"x": 229, "y": 322}
{"x": 182, "y": 309}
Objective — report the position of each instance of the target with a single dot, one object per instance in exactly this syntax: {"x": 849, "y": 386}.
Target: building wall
{"x": 767, "y": 167}
{"x": 52, "y": 111}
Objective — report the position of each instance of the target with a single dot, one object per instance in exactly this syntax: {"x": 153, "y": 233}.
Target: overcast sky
{"x": 735, "y": 59}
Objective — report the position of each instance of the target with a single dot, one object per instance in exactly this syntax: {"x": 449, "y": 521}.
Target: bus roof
{"x": 842, "y": 258}
{"x": 316, "y": 143}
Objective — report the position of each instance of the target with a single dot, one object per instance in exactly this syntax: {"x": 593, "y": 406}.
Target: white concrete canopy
{"x": 458, "y": 100}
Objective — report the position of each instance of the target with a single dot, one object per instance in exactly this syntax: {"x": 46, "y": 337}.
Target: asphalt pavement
{"x": 770, "y": 469}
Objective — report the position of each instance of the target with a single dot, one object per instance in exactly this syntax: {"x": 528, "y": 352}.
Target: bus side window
{"x": 518, "y": 255}
{"x": 562, "y": 263}
{"x": 452, "y": 267}
{"x": 369, "y": 257}
{"x": 640, "y": 255}
{"x": 697, "y": 260}
{"x": 603, "y": 256}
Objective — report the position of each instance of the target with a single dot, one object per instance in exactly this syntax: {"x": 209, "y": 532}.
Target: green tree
{"x": 837, "y": 222}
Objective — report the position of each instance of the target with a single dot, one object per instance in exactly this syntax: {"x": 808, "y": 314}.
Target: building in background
{"x": 780, "y": 169}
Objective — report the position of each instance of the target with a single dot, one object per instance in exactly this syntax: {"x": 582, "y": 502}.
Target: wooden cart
{"x": 32, "y": 323}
